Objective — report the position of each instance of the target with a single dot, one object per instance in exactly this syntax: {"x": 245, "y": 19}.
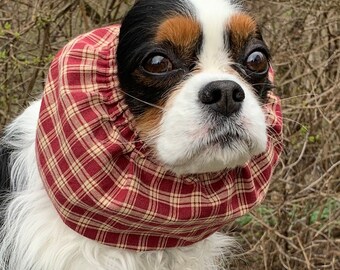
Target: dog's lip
{"x": 221, "y": 140}
{"x": 208, "y": 139}
{"x": 206, "y": 146}
{"x": 224, "y": 137}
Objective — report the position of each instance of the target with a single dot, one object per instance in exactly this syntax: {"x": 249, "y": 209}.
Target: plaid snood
{"x": 101, "y": 177}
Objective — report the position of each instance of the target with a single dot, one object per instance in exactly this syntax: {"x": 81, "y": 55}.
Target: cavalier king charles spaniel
{"x": 195, "y": 77}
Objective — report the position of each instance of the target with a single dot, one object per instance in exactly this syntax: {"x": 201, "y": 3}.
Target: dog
{"x": 195, "y": 78}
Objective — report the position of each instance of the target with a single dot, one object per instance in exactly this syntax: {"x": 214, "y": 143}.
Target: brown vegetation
{"x": 298, "y": 226}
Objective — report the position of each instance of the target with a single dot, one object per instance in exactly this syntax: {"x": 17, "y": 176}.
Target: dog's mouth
{"x": 227, "y": 135}
{"x": 226, "y": 139}
{"x": 213, "y": 143}
{"x": 213, "y": 150}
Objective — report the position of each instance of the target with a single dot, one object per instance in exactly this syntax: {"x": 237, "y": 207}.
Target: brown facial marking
{"x": 241, "y": 27}
{"x": 148, "y": 123}
{"x": 180, "y": 31}
{"x": 183, "y": 33}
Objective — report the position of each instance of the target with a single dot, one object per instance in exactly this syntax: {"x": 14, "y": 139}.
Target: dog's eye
{"x": 157, "y": 64}
{"x": 257, "y": 62}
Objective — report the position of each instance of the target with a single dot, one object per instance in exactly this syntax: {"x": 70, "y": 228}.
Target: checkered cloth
{"x": 99, "y": 175}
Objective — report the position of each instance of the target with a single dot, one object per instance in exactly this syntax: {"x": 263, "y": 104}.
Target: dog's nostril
{"x": 224, "y": 97}
{"x": 211, "y": 96}
{"x": 238, "y": 94}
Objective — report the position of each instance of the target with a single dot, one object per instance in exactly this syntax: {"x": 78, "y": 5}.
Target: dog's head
{"x": 195, "y": 76}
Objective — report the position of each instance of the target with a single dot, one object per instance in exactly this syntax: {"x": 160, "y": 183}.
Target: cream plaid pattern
{"x": 99, "y": 175}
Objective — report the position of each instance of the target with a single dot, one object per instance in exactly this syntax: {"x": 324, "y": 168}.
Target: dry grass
{"x": 298, "y": 226}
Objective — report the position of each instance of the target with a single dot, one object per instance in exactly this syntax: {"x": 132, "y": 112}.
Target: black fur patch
{"x": 136, "y": 41}
{"x": 4, "y": 168}
{"x": 4, "y": 176}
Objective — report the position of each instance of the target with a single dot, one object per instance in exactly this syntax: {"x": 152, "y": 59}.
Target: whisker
{"x": 293, "y": 97}
{"x": 243, "y": 70}
{"x": 284, "y": 118}
{"x": 141, "y": 139}
{"x": 273, "y": 139}
{"x": 265, "y": 84}
{"x": 145, "y": 102}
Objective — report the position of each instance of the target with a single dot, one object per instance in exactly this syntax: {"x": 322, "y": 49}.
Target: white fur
{"x": 213, "y": 16}
{"x": 181, "y": 144}
{"x": 34, "y": 237}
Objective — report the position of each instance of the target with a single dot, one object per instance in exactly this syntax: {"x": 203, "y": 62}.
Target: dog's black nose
{"x": 225, "y": 97}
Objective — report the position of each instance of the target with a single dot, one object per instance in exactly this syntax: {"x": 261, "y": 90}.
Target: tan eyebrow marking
{"x": 179, "y": 30}
{"x": 241, "y": 26}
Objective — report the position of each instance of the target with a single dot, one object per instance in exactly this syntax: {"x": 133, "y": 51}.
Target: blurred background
{"x": 298, "y": 226}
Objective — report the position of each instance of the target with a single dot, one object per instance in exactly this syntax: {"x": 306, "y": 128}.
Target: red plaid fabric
{"x": 99, "y": 175}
